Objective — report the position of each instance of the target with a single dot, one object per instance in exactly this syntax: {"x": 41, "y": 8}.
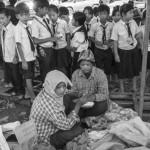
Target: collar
{"x": 8, "y": 26}
{"x": 123, "y": 23}
{"x": 76, "y": 29}
{"x": 57, "y": 22}
{"x": 23, "y": 25}
{"x": 39, "y": 18}
{"x": 81, "y": 74}
{"x": 104, "y": 25}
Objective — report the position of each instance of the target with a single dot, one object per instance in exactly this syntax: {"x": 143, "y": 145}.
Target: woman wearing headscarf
{"x": 89, "y": 84}
{"x": 54, "y": 127}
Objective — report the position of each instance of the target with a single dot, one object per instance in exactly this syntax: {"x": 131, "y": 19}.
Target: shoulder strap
{"x": 45, "y": 26}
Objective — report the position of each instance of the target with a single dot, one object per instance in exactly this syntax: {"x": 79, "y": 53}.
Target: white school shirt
{"x": 142, "y": 29}
{"x": 8, "y": 45}
{"x": 120, "y": 34}
{"x": 96, "y": 32}
{"x": 41, "y": 32}
{"x": 21, "y": 37}
{"x": 61, "y": 28}
{"x": 78, "y": 41}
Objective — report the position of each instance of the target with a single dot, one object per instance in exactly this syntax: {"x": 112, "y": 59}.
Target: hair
{"x": 80, "y": 18}
{"x": 103, "y": 7}
{"x": 115, "y": 10}
{"x": 95, "y": 11}
{"x": 40, "y": 4}
{"x": 125, "y": 8}
{"x": 144, "y": 15}
{"x": 53, "y": 8}
{"x": 12, "y": 2}
{"x": 5, "y": 11}
{"x": 2, "y": 5}
{"x": 22, "y": 8}
{"x": 63, "y": 11}
{"x": 90, "y": 10}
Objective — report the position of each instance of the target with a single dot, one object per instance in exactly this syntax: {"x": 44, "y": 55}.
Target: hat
{"x": 86, "y": 55}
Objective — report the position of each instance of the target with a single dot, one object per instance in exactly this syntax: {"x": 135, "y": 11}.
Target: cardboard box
{"x": 26, "y": 136}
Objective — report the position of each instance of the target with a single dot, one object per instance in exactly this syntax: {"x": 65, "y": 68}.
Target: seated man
{"x": 89, "y": 84}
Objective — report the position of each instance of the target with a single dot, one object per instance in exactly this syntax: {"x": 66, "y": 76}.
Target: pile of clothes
{"x": 117, "y": 129}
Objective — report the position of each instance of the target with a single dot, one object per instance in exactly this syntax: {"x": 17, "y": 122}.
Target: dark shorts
{"x": 104, "y": 59}
{"x": 29, "y": 73}
{"x": 148, "y": 60}
{"x": 62, "y": 57}
{"x": 130, "y": 64}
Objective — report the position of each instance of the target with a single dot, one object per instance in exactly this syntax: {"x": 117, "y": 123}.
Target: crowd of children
{"x": 56, "y": 42}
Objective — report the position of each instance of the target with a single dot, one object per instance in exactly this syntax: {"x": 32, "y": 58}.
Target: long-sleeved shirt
{"x": 96, "y": 84}
{"x": 49, "y": 117}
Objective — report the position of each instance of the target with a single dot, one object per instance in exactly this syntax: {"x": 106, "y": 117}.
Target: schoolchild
{"x": 25, "y": 46}
{"x": 95, "y": 13}
{"x": 116, "y": 14}
{"x": 60, "y": 29}
{"x": 116, "y": 18}
{"x": 125, "y": 35}
{"x": 43, "y": 38}
{"x": 64, "y": 15}
{"x": 79, "y": 38}
{"x": 90, "y": 20}
{"x": 10, "y": 55}
{"x": 142, "y": 28}
{"x": 100, "y": 34}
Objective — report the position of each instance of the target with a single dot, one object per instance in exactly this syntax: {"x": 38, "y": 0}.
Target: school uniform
{"x": 41, "y": 30}
{"x": 103, "y": 55}
{"x": 78, "y": 41}
{"x": 142, "y": 29}
{"x": 9, "y": 55}
{"x": 128, "y": 52}
{"x": 23, "y": 36}
{"x": 62, "y": 56}
{"x": 88, "y": 27}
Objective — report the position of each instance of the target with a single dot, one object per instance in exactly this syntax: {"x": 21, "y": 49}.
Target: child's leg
{"x": 121, "y": 86}
{"x": 134, "y": 84}
{"x": 30, "y": 88}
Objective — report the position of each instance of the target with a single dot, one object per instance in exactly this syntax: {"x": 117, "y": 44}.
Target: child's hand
{"x": 42, "y": 52}
{"x": 24, "y": 65}
{"x": 98, "y": 43}
{"x": 117, "y": 58}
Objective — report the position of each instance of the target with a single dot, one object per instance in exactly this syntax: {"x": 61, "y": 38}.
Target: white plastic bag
{"x": 3, "y": 143}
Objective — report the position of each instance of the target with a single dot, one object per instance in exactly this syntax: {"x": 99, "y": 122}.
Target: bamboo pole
{"x": 144, "y": 62}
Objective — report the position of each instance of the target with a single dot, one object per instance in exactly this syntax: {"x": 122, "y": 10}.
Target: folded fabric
{"x": 110, "y": 146}
{"x": 133, "y": 132}
{"x": 138, "y": 148}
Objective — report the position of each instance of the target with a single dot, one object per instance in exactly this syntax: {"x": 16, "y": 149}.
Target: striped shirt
{"x": 96, "y": 84}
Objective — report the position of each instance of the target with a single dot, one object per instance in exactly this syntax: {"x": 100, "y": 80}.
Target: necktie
{"x": 54, "y": 43}
{"x": 129, "y": 30}
{"x": 49, "y": 29}
{"x": 104, "y": 34}
{"x": 4, "y": 35}
{"x": 30, "y": 39}
{"x": 88, "y": 29}
{"x": 54, "y": 31}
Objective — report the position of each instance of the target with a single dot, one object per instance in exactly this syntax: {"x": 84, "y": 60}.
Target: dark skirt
{"x": 148, "y": 60}
{"x": 62, "y": 57}
{"x": 130, "y": 64}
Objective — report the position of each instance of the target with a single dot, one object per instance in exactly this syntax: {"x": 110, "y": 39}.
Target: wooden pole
{"x": 144, "y": 62}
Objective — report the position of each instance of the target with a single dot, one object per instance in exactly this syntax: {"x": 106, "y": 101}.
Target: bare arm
{"x": 41, "y": 41}
{"x": 24, "y": 63}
